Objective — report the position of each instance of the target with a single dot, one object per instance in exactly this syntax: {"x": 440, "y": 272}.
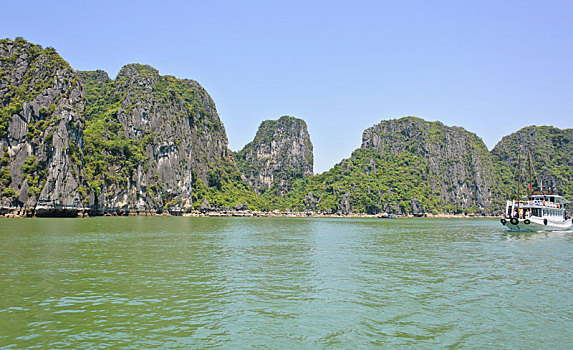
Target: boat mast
{"x": 530, "y": 166}
{"x": 519, "y": 175}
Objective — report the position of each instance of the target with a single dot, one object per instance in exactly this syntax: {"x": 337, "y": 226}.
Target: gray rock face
{"x": 136, "y": 143}
{"x": 41, "y": 121}
{"x": 459, "y": 165}
{"x": 174, "y": 124}
{"x": 280, "y": 152}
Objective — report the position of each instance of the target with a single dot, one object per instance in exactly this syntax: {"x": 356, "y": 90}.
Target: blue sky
{"x": 491, "y": 67}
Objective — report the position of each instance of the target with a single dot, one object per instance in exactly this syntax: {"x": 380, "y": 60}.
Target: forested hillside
{"x": 551, "y": 153}
{"x": 155, "y": 143}
{"x": 144, "y": 143}
{"x": 406, "y": 166}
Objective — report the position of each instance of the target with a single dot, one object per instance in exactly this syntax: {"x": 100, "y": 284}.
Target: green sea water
{"x": 282, "y": 283}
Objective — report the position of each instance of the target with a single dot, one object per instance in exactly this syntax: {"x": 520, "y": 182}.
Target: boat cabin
{"x": 538, "y": 205}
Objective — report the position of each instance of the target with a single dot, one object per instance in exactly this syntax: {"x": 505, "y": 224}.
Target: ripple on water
{"x": 280, "y": 283}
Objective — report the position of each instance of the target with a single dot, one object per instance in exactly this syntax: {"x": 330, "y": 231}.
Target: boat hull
{"x": 535, "y": 225}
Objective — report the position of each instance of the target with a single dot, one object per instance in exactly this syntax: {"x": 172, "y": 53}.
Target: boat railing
{"x": 540, "y": 203}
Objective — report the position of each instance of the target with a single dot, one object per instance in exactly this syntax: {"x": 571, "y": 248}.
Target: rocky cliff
{"x": 147, "y": 139}
{"x": 280, "y": 152}
{"x": 41, "y": 122}
{"x": 551, "y": 151}
{"x": 406, "y": 166}
{"x": 458, "y": 165}
{"x": 151, "y": 143}
{"x": 142, "y": 142}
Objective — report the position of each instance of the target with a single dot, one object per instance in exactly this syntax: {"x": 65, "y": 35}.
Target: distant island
{"x": 78, "y": 142}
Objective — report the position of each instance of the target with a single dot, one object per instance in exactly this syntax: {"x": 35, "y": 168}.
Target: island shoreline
{"x": 86, "y": 213}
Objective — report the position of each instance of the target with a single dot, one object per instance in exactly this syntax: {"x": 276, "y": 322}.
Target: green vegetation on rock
{"x": 29, "y": 84}
{"x": 156, "y": 143}
{"x": 367, "y": 182}
{"x": 41, "y": 111}
{"x": 147, "y": 142}
{"x": 280, "y": 153}
{"x": 551, "y": 151}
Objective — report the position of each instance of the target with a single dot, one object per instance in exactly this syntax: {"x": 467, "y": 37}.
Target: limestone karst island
{"x": 78, "y": 142}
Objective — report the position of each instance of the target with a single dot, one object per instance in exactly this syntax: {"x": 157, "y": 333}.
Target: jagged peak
{"x": 137, "y": 67}
{"x": 412, "y": 121}
{"x": 96, "y": 75}
{"x": 537, "y": 128}
{"x": 20, "y": 47}
{"x": 530, "y": 136}
{"x": 19, "y": 42}
{"x": 268, "y": 128}
{"x": 139, "y": 72}
{"x": 290, "y": 119}
{"x": 416, "y": 135}
{"x": 280, "y": 152}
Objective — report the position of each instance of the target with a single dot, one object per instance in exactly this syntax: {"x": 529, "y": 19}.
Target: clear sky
{"x": 491, "y": 67}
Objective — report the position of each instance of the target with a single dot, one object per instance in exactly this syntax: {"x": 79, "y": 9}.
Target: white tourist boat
{"x": 540, "y": 211}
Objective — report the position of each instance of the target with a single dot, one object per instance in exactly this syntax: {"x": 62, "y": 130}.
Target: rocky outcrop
{"x": 139, "y": 143}
{"x": 147, "y": 143}
{"x": 41, "y": 122}
{"x": 458, "y": 165}
{"x": 551, "y": 151}
{"x": 407, "y": 166}
{"x": 159, "y": 135}
{"x": 280, "y": 152}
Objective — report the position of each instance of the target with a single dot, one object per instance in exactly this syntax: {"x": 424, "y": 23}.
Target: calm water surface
{"x": 276, "y": 283}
